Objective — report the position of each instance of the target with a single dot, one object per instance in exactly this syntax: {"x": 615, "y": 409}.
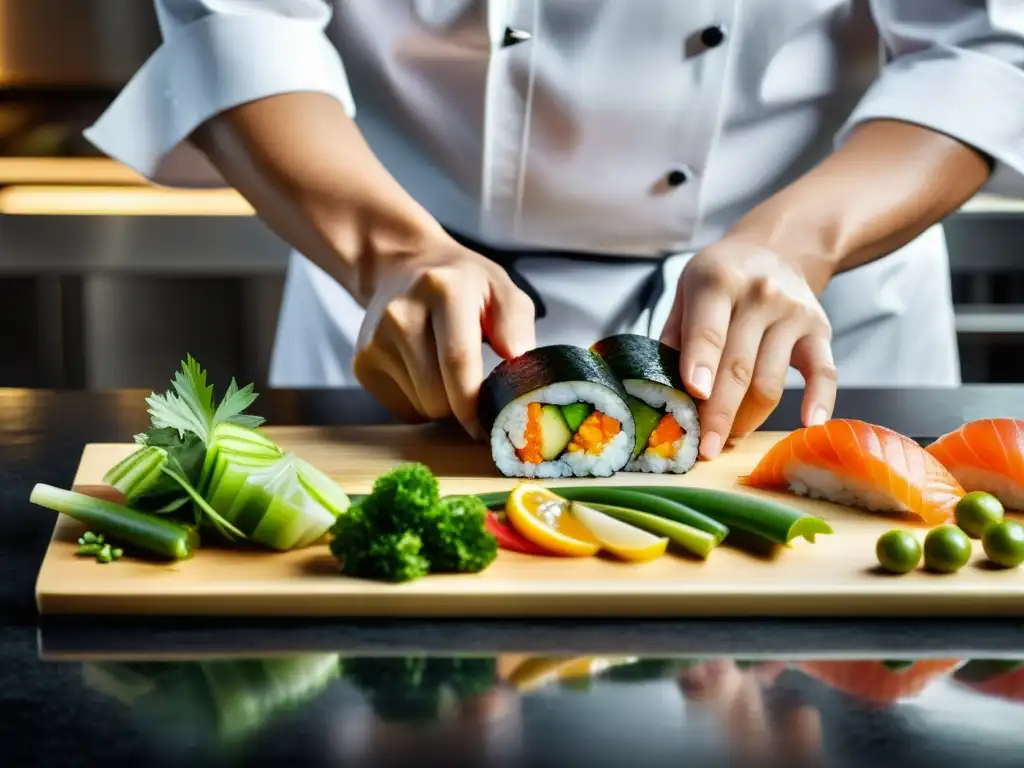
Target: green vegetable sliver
{"x": 136, "y": 473}
{"x": 283, "y": 505}
{"x": 223, "y": 527}
{"x": 693, "y": 540}
{"x": 149, "y": 532}
{"x": 322, "y": 487}
{"x": 768, "y": 519}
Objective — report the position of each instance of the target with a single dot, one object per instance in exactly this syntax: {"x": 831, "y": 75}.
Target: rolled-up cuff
{"x": 212, "y": 65}
{"x": 968, "y": 96}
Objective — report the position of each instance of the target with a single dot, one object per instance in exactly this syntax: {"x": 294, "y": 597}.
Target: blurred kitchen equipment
{"x": 74, "y": 43}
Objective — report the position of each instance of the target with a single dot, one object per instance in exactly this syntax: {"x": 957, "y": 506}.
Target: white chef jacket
{"x": 559, "y": 125}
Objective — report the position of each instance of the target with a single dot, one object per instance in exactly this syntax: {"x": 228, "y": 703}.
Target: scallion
{"x": 123, "y": 524}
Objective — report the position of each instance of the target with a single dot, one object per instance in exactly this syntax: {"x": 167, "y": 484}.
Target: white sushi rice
{"x": 1009, "y": 492}
{"x": 509, "y": 434}
{"x": 684, "y": 411}
{"x": 822, "y": 484}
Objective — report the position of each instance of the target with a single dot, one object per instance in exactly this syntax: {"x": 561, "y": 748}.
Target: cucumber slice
{"x": 554, "y": 432}
{"x": 646, "y": 420}
{"x": 575, "y": 414}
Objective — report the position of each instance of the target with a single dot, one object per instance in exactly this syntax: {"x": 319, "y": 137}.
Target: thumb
{"x": 508, "y": 320}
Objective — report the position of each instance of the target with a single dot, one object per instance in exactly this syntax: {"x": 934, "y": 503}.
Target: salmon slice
{"x": 860, "y": 465}
{"x": 986, "y": 455}
{"x": 874, "y": 682}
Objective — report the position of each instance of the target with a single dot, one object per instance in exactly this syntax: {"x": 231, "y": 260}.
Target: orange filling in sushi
{"x": 663, "y": 439}
{"x": 531, "y": 452}
{"x": 596, "y": 431}
{"x": 547, "y": 434}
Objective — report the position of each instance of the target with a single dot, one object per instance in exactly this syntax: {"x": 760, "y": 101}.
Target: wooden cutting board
{"x": 833, "y": 577}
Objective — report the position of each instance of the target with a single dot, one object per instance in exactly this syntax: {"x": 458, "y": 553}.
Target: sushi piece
{"x": 986, "y": 455}
{"x": 557, "y": 411}
{"x": 667, "y": 427}
{"x": 860, "y": 465}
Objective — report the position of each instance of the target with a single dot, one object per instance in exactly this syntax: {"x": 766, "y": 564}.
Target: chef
{"x": 756, "y": 182}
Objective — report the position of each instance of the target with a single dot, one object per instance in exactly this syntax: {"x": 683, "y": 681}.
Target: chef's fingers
{"x": 405, "y": 325}
{"x": 748, "y": 723}
{"x": 812, "y": 356}
{"x": 422, "y": 356}
{"x": 379, "y": 368}
{"x": 713, "y": 683}
{"x": 735, "y": 373}
{"x": 704, "y": 327}
{"x": 509, "y": 318}
{"x": 769, "y": 377}
{"x": 798, "y": 736}
{"x": 460, "y": 355}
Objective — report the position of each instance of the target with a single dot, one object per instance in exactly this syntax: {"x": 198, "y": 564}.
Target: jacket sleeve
{"x": 957, "y": 67}
{"x": 216, "y": 55}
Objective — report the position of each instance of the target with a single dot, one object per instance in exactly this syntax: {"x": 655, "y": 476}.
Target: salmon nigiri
{"x": 986, "y": 455}
{"x": 860, "y": 465}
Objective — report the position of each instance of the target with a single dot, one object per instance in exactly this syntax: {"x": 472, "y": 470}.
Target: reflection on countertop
{"x": 518, "y": 709}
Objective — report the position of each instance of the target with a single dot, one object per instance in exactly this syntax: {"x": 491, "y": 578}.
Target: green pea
{"x": 946, "y": 549}
{"x": 898, "y": 551}
{"x": 976, "y": 511}
{"x": 1004, "y": 543}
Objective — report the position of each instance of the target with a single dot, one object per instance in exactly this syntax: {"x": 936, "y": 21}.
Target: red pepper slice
{"x": 509, "y": 538}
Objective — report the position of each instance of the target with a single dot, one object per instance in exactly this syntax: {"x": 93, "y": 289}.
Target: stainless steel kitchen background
{"x": 106, "y": 281}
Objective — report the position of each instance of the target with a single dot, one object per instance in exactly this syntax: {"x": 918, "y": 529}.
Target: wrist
{"x": 812, "y": 244}
{"x": 369, "y": 241}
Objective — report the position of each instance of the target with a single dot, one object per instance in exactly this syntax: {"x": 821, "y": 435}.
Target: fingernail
{"x": 701, "y": 381}
{"x": 818, "y": 417}
{"x": 710, "y": 445}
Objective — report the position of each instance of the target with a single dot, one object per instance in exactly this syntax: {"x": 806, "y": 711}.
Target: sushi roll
{"x": 557, "y": 411}
{"x": 858, "y": 464}
{"x": 986, "y": 455}
{"x": 667, "y": 427}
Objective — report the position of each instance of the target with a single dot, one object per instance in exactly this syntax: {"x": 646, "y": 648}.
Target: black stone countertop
{"x": 348, "y": 692}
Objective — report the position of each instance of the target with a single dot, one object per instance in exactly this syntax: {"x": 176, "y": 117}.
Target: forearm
{"x": 886, "y": 185}
{"x": 302, "y": 163}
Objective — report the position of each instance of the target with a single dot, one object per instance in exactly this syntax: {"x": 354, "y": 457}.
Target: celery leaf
{"x": 189, "y": 405}
{"x": 234, "y": 403}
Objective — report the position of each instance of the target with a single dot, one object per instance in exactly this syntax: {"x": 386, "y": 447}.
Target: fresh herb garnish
{"x": 182, "y": 423}
{"x": 188, "y": 406}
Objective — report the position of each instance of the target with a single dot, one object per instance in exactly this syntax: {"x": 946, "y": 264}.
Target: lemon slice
{"x": 619, "y": 538}
{"x": 536, "y": 672}
{"x": 543, "y": 517}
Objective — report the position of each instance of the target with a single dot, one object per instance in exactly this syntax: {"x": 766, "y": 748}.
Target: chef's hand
{"x": 759, "y": 730}
{"x": 420, "y": 347}
{"x": 742, "y": 315}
